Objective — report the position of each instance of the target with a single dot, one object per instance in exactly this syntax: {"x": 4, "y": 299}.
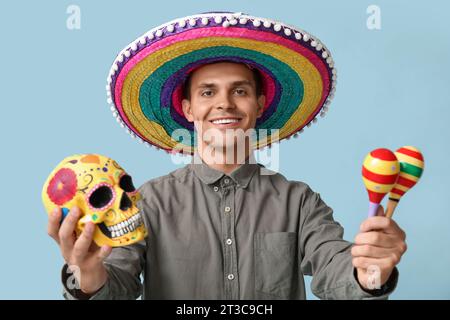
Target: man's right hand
{"x": 80, "y": 253}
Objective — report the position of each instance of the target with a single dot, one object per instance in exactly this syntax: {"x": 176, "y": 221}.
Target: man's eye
{"x": 206, "y": 93}
{"x": 240, "y": 91}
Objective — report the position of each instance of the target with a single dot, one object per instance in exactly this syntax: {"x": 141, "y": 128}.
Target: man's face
{"x": 223, "y": 100}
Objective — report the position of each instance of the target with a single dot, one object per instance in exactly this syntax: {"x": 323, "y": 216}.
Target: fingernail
{"x": 55, "y": 212}
{"x": 104, "y": 251}
{"x": 89, "y": 227}
{"x": 75, "y": 212}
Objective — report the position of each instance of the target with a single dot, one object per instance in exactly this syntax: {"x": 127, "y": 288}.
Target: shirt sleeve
{"x": 326, "y": 256}
{"x": 124, "y": 266}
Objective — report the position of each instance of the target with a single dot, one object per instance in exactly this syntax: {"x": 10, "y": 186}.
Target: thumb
{"x": 380, "y": 211}
{"x": 104, "y": 252}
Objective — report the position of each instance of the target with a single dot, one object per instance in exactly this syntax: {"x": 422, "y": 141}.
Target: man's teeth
{"x": 126, "y": 226}
{"x": 225, "y": 121}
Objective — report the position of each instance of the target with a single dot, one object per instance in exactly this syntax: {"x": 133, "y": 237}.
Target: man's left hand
{"x": 378, "y": 248}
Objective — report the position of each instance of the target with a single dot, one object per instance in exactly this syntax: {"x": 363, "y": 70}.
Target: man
{"x": 221, "y": 229}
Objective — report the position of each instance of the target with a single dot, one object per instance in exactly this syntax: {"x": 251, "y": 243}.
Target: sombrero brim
{"x": 145, "y": 82}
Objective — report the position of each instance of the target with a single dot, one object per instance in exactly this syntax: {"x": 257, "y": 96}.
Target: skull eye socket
{"x": 126, "y": 183}
{"x": 101, "y": 197}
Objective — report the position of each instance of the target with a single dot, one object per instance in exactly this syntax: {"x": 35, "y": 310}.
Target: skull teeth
{"x": 126, "y": 226}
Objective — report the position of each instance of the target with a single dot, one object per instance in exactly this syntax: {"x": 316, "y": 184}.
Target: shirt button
{"x": 227, "y": 180}
{"x": 229, "y": 241}
{"x": 227, "y": 209}
{"x": 216, "y": 189}
{"x": 230, "y": 276}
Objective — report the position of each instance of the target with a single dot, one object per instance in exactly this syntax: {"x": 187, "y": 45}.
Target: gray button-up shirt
{"x": 246, "y": 235}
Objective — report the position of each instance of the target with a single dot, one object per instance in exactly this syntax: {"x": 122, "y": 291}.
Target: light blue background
{"x": 393, "y": 90}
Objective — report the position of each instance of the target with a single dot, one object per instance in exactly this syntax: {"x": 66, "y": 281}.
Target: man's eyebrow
{"x": 206, "y": 85}
{"x": 234, "y": 84}
{"x": 242, "y": 83}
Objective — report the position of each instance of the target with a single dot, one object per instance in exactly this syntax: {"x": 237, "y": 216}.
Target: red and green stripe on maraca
{"x": 411, "y": 168}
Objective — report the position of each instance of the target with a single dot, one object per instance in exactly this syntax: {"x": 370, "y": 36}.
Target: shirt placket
{"x": 228, "y": 239}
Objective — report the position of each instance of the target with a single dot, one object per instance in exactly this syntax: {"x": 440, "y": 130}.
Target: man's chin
{"x": 235, "y": 145}
{"x": 222, "y": 140}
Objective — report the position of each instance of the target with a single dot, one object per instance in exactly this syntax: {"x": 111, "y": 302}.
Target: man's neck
{"x": 225, "y": 168}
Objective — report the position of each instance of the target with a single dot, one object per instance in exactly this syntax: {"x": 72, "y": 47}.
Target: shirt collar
{"x": 241, "y": 175}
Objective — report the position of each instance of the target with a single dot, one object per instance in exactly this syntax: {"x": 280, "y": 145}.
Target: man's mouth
{"x": 226, "y": 122}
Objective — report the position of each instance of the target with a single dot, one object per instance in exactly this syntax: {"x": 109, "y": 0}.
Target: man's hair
{"x": 256, "y": 77}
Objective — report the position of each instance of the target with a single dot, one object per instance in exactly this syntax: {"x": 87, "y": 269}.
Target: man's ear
{"x": 187, "y": 110}
{"x": 261, "y": 104}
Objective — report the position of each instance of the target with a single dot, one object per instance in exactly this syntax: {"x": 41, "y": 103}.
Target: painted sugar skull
{"x": 105, "y": 194}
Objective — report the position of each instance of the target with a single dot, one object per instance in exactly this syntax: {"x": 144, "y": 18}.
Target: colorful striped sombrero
{"x": 146, "y": 79}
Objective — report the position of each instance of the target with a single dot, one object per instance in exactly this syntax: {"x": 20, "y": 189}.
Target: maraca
{"x": 411, "y": 168}
{"x": 379, "y": 172}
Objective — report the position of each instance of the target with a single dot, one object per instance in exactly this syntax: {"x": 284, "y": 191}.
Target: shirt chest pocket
{"x": 275, "y": 263}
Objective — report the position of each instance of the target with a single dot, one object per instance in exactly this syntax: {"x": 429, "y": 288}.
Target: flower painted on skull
{"x": 63, "y": 186}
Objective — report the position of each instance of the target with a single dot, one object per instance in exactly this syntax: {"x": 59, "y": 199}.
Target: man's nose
{"x": 225, "y": 101}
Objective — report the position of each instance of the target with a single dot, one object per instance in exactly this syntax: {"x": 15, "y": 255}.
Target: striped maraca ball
{"x": 380, "y": 172}
{"x": 411, "y": 168}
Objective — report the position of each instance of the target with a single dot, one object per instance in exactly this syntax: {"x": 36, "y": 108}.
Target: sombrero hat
{"x": 146, "y": 79}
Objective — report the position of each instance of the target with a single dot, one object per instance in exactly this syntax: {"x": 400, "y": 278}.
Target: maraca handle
{"x": 392, "y": 204}
{"x": 373, "y": 207}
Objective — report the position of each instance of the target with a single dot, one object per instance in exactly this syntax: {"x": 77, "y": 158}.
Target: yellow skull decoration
{"x": 105, "y": 194}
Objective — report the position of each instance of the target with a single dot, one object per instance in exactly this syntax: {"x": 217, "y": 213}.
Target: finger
{"x": 383, "y": 263}
{"x": 93, "y": 247}
{"x": 376, "y": 238}
{"x": 83, "y": 243}
{"x": 380, "y": 223}
{"x": 53, "y": 224}
{"x": 104, "y": 252}
{"x": 66, "y": 232}
{"x": 369, "y": 251}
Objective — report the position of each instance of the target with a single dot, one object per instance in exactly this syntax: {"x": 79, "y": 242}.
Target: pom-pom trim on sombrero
{"x": 143, "y": 85}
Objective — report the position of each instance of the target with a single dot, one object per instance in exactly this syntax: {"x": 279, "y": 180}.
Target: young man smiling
{"x": 222, "y": 229}
{"x": 224, "y": 100}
